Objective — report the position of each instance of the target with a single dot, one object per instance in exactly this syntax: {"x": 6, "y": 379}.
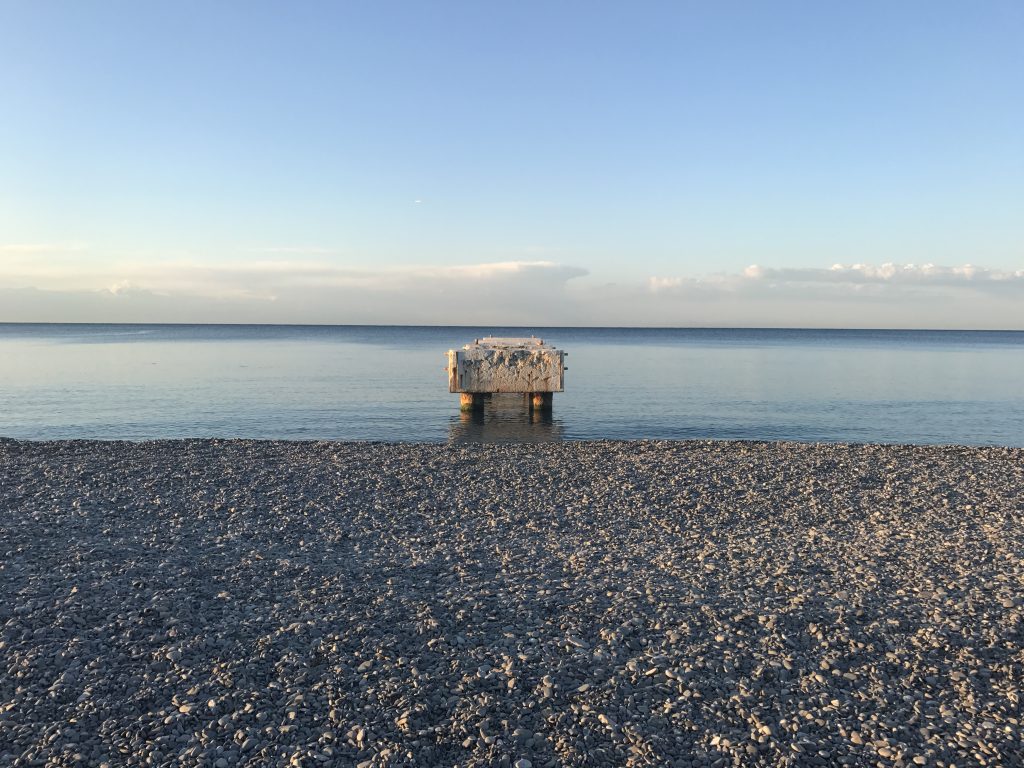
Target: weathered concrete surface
{"x": 506, "y": 366}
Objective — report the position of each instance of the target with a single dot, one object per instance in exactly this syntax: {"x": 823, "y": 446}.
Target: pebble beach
{"x": 225, "y": 603}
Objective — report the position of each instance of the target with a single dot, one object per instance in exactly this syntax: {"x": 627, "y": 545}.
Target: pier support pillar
{"x": 541, "y": 401}
{"x": 471, "y": 401}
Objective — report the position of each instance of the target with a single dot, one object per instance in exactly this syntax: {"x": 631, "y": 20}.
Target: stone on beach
{"x": 223, "y": 603}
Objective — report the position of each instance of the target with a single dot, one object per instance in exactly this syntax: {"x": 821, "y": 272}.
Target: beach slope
{"x": 223, "y": 603}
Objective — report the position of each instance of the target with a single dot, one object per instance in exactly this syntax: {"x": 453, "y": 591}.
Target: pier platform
{"x": 494, "y": 365}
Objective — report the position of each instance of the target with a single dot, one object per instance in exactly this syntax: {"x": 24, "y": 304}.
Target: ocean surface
{"x": 141, "y": 382}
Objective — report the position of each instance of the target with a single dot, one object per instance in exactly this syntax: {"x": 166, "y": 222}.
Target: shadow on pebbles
{"x": 221, "y": 603}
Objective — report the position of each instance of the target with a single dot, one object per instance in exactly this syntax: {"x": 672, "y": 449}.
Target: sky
{"x": 787, "y": 164}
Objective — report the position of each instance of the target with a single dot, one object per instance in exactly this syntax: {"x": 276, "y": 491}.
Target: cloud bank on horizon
{"x": 49, "y": 283}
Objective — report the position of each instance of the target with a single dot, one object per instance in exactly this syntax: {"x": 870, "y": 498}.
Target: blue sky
{"x": 644, "y": 155}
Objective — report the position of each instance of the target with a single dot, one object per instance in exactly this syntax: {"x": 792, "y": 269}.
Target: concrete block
{"x": 506, "y": 365}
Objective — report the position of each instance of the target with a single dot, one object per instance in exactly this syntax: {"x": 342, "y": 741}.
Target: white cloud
{"x": 903, "y": 274}
{"x": 40, "y": 248}
{"x": 887, "y": 277}
{"x": 287, "y": 291}
{"x": 656, "y": 284}
{"x": 298, "y": 250}
{"x": 122, "y": 286}
{"x": 261, "y": 279}
{"x": 527, "y": 292}
{"x": 857, "y": 295}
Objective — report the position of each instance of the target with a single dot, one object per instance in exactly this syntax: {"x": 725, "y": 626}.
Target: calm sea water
{"x": 389, "y": 383}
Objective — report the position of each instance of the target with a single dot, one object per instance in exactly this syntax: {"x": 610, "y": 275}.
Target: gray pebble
{"x": 652, "y": 603}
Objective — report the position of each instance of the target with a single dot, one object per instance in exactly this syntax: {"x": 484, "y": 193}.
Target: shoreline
{"x": 449, "y": 442}
{"x": 693, "y": 603}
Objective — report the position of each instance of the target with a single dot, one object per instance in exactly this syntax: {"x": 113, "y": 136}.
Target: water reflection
{"x": 506, "y": 419}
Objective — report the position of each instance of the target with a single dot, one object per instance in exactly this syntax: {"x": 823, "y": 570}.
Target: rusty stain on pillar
{"x": 494, "y": 365}
{"x": 471, "y": 401}
{"x": 541, "y": 401}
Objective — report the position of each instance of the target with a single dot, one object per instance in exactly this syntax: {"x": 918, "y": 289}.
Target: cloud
{"x": 40, "y": 248}
{"x": 706, "y": 284}
{"x": 264, "y": 278}
{"x": 852, "y": 296}
{"x": 298, "y": 250}
{"x": 885, "y": 279}
{"x": 286, "y": 291}
{"x": 120, "y": 287}
{"x": 967, "y": 275}
{"x": 533, "y": 292}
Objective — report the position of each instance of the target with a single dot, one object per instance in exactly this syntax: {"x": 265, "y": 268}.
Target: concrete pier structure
{"x": 493, "y": 365}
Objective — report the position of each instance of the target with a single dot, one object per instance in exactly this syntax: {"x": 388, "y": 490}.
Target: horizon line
{"x": 554, "y": 327}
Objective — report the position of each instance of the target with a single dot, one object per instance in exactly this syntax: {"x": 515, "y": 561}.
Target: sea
{"x": 389, "y": 383}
